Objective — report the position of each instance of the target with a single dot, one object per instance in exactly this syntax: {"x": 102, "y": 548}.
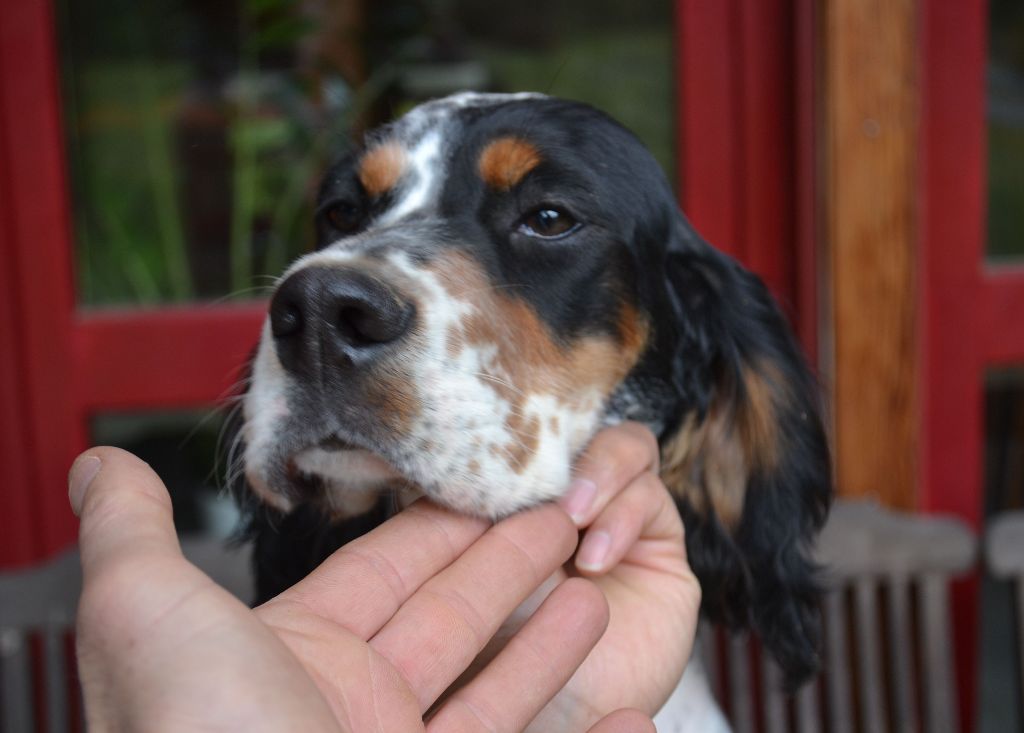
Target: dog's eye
{"x": 548, "y": 222}
{"x": 346, "y": 217}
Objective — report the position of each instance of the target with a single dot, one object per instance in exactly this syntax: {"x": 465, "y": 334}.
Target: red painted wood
{"x": 735, "y": 130}
{"x": 707, "y": 79}
{"x": 766, "y": 123}
{"x": 133, "y": 360}
{"x": 17, "y": 542}
{"x": 952, "y": 250}
{"x": 805, "y": 165}
{"x": 953, "y": 187}
{"x": 38, "y": 227}
{"x": 1002, "y": 308}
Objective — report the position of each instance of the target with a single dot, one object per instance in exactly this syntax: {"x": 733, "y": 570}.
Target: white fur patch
{"x": 354, "y": 478}
{"x": 264, "y": 408}
{"x": 425, "y": 173}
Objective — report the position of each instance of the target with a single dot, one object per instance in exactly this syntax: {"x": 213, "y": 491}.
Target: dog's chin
{"x": 347, "y": 480}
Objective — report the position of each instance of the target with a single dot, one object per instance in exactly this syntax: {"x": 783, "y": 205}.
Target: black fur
{"x": 761, "y": 575}
{"x": 286, "y": 547}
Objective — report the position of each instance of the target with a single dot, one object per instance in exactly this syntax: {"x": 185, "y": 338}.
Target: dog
{"x": 496, "y": 278}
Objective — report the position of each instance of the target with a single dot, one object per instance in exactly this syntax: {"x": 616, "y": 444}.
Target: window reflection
{"x": 1006, "y": 130}
{"x": 196, "y": 131}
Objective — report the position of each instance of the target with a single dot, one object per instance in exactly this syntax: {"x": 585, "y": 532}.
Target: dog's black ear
{"x": 747, "y": 456}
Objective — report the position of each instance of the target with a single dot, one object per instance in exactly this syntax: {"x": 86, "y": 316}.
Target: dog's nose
{"x": 335, "y": 314}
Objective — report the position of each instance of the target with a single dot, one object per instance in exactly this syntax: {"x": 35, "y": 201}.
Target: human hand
{"x": 367, "y": 642}
{"x": 634, "y": 549}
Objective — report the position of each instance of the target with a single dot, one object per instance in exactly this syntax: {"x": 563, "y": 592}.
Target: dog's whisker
{"x": 498, "y": 380}
{"x": 233, "y": 295}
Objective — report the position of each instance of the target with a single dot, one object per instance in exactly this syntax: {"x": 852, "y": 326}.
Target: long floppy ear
{"x": 748, "y": 458}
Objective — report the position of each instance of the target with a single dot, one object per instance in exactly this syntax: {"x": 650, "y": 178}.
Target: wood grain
{"x": 871, "y": 134}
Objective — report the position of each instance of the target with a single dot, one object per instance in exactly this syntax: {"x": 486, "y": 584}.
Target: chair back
{"x": 37, "y": 618}
{"x": 888, "y": 647}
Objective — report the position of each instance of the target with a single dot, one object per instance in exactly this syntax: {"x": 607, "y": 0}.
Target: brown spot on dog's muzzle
{"x": 529, "y": 361}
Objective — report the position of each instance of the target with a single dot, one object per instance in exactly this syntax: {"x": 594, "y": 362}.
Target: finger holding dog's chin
{"x": 614, "y": 457}
{"x": 633, "y": 548}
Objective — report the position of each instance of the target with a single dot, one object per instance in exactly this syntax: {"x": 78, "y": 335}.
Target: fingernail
{"x": 594, "y": 550}
{"x": 579, "y": 498}
{"x": 83, "y": 471}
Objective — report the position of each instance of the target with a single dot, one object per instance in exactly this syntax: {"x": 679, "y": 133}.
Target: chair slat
{"x": 808, "y": 710}
{"x": 774, "y": 700}
{"x": 16, "y": 715}
{"x": 707, "y": 637}
{"x": 900, "y": 654}
{"x": 1019, "y": 586}
{"x": 869, "y": 667}
{"x": 740, "y": 689}
{"x": 56, "y": 681}
{"x": 837, "y": 660}
{"x": 939, "y": 703}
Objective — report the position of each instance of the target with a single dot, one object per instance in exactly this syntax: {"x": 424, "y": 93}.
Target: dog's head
{"x": 498, "y": 276}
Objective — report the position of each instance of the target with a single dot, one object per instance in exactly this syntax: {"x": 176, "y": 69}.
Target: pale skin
{"x": 372, "y": 639}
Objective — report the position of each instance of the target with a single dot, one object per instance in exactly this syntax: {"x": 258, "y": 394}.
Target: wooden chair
{"x": 887, "y": 632}
{"x": 40, "y": 603}
{"x": 888, "y": 662}
{"x": 1004, "y": 556}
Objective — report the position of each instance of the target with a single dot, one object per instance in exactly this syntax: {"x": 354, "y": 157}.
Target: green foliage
{"x": 1006, "y": 191}
{"x": 137, "y": 82}
{"x": 627, "y": 73}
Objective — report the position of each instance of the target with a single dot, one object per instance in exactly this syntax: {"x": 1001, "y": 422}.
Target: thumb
{"x": 124, "y": 508}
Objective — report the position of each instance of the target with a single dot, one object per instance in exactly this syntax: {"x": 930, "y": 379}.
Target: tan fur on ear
{"x": 506, "y": 161}
{"x": 381, "y": 167}
{"x": 709, "y": 463}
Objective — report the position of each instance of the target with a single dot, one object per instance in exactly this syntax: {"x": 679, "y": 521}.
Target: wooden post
{"x": 870, "y": 138}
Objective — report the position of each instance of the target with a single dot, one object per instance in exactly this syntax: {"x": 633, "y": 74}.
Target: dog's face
{"x": 470, "y": 312}
{"x": 498, "y": 276}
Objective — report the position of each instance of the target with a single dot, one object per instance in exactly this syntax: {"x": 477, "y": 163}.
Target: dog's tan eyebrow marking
{"x": 381, "y": 167}
{"x": 506, "y": 161}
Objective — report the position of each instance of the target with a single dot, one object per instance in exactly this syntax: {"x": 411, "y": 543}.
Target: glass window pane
{"x": 1004, "y": 440}
{"x": 1006, "y": 130}
{"x": 196, "y": 131}
{"x": 616, "y": 56}
{"x": 999, "y": 685}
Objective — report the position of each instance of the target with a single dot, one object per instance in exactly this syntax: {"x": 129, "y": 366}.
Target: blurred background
{"x": 158, "y": 164}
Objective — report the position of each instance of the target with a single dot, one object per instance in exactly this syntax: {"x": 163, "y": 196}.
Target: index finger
{"x": 614, "y": 457}
{"x": 365, "y": 582}
{"x": 435, "y": 636}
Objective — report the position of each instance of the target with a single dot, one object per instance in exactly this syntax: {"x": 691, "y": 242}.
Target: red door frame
{"x": 61, "y": 365}
{"x": 745, "y": 131}
{"x": 970, "y": 311}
